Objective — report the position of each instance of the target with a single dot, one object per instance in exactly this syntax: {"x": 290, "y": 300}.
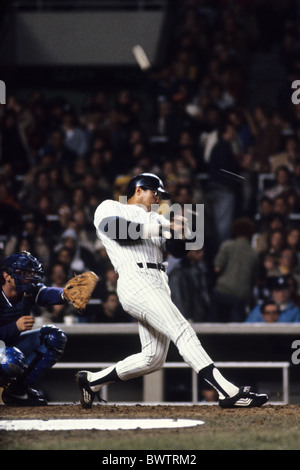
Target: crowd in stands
{"x": 189, "y": 118}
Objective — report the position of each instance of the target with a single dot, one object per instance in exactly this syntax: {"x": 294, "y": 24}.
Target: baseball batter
{"x": 136, "y": 239}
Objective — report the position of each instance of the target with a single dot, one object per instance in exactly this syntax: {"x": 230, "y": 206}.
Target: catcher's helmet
{"x": 12, "y": 362}
{"x": 25, "y": 269}
{"x": 147, "y": 181}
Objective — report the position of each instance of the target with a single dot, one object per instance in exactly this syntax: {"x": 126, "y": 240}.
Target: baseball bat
{"x": 141, "y": 57}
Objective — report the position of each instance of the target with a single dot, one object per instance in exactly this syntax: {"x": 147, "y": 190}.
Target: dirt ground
{"x": 270, "y": 427}
{"x": 138, "y": 411}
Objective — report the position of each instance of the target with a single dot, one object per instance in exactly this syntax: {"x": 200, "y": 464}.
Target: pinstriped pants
{"x": 145, "y": 294}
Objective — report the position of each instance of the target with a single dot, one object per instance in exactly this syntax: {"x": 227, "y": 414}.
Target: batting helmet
{"x": 24, "y": 268}
{"x": 147, "y": 181}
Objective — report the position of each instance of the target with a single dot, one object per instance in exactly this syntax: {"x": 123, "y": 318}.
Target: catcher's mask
{"x": 25, "y": 269}
{"x": 147, "y": 181}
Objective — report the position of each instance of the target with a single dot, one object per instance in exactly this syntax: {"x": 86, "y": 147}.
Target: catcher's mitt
{"x": 79, "y": 289}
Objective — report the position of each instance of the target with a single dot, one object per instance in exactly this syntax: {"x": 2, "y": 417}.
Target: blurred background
{"x": 81, "y": 117}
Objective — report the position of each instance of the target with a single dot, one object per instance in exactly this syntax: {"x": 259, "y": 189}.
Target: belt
{"x": 158, "y": 266}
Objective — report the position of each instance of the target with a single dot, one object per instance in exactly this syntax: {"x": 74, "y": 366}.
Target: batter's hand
{"x": 180, "y": 226}
{"x": 25, "y": 323}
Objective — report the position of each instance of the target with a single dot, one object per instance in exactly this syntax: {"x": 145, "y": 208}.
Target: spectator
{"x": 190, "y": 287}
{"x": 273, "y": 238}
{"x": 81, "y": 258}
{"x": 25, "y": 243}
{"x": 267, "y": 137}
{"x": 223, "y": 193}
{"x": 57, "y": 277}
{"x": 282, "y": 294}
{"x": 264, "y": 212}
{"x": 79, "y": 169}
{"x": 56, "y": 106}
{"x": 296, "y": 176}
{"x": 267, "y": 264}
{"x": 64, "y": 256}
{"x": 161, "y": 127}
{"x": 60, "y": 184}
{"x": 13, "y": 146}
{"x": 45, "y": 162}
{"x": 276, "y": 242}
{"x": 286, "y": 263}
{"x": 84, "y": 228}
{"x": 79, "y": 201}
{"x": 109, "y": 311}
{"x": 270, "y": 312}
{"x": 95, "y": 163}
{"x": 93, "y": 186}
{"x": 120, "y": 186}
{"x": 64, "y": 218}
{"x": 109, "y": 281}
{"x": 178, "y": 132}
{"x": 30, "y": 194}
{"x": 244, "y": 134}
{"x": 65, "y": 157}
{"x": 288, "y": 158}
{"x": 34, "y": 231}
{"x": 75, "y": 138}
{"x": 187, "y": 150}
{"x": 233, "y": 289}
{"x": 102, "y": 261}
{"x": 45, "y": 208}
{"x": 292, "y": 201}
{"x": 293, "y": 240}
{"x": 283, "y": 182}
{"x": 136, "y": 146}
{"x": 281, "y": 207}
{"x": 10, "y": 211}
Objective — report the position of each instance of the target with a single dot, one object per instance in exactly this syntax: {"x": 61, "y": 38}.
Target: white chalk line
{"x": 94, "y": 423}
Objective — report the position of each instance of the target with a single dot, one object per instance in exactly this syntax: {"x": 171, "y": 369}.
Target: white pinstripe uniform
{"x": 144, "y": 293}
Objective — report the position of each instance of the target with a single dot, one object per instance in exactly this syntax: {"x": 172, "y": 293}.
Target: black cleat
{"x": 26, "y": 397}
{"x": 245, "y": 398}
{"x": 87, "y": 394}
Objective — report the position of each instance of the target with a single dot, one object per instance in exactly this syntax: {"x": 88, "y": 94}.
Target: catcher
{"x": 29, "y": 353}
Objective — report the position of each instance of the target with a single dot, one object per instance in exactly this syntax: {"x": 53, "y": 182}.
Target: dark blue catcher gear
{"x": 52, "y": 344}
{"x": 12, "y": 364}
{"x": 53, "y": 337}
{"x": 25, "y": 269}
